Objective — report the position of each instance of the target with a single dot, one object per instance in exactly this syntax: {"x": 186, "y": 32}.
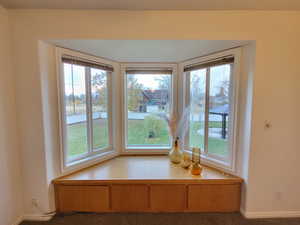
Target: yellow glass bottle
{"x": 175, "y": 154}
{"x": 196, "y": 167}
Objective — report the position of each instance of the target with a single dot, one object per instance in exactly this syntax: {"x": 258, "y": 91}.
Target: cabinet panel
{"x": 168, "y": 198}
{"x": 214, "y": 198}
{"x": 83, "y": 198}
{"x": 128, "y": 198}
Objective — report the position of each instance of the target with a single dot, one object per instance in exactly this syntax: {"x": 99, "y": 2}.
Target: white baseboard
{"x": 37, "y": 217}
{"x": 18, "y": 220}
{"x": 270, "y": 214}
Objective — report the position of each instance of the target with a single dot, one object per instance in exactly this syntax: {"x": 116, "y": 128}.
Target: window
{"x": 148, "y": 98}
{"x": 210, "y": 94}
{"x": 94, "y": 125}
{"x": 86, "y": 107}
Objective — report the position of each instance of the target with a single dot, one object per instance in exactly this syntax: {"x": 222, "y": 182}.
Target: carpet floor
{"x": 160, "y": 219}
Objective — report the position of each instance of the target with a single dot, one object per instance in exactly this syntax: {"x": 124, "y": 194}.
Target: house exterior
{"x": 159, "y": 97}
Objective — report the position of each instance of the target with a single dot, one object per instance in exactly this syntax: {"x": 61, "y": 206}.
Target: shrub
{"x": 154, "y": 126}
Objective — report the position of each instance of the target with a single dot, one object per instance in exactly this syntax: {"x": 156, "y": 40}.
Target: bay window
{"x": 149, "y": 93}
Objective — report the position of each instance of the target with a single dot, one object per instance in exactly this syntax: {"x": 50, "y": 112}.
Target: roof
{"x": 221, "y": 110}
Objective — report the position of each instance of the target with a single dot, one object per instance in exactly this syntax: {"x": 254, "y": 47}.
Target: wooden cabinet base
{"x": 168, "y": 198}
{"x": 214, "y": 198}
{"x": 148, "y": 198}
{"x": 129, "y": 198}
{"x": 146, "y": 184}
{"x": 82, "y": 198}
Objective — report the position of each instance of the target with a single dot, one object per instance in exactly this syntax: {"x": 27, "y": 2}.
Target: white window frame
{"x": 117, "y": 109}
{"x": 126, "y": 150}
{"x": 93, "y": 155}
{"x": 228, "y": 164}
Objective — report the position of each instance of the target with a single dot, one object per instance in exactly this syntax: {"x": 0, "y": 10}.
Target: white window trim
{"x": 96, "y": 155}
{"x": 147, "y": 149}
{"x": 212, "y": 160}
{"x": 119, "y": 115}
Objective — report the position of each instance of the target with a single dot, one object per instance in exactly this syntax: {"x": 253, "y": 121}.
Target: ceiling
{"x": 155, "y": 4}
{"x": 148, "y": 50}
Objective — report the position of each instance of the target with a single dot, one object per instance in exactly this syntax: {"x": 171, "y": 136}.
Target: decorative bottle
{"x": 196, "y": 168}
{"x": 175, "y": 154}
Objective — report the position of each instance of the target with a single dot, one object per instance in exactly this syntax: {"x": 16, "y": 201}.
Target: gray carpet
{"x": 160, "y": 219}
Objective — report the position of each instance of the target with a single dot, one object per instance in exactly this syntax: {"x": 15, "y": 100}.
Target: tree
{"x": 164, "y": 82}
{"x": 99, "y": 79}
{"x": 134, "y": 93}
{"x": 99, "y": 94}
{"x": 224, "y": 88}
{"x": 198, "y": 89}
{"x": 223, "y": 92}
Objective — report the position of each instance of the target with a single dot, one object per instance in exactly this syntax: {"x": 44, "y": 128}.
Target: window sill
{"x": 215, "y": 163}
{"x": 145, "y": 150}
{"x": 86, "y": 162}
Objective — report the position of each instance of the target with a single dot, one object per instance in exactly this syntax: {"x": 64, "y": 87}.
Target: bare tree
{"x": 99, "y": 97}
{"x": 134, "y": 93}
{"x": 164, "y": 82}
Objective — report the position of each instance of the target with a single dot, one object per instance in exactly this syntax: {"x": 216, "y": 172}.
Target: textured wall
{"x": 11, "y": 203}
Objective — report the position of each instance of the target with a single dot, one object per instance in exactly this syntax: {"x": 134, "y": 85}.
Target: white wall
{"x": 245, "y": 116}
{"x": 10, "y": 174}
{"x": 47, "y": 62}
{"x": 273, "y": 171}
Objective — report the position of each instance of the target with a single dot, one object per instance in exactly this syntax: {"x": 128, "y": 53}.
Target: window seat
{"x": 146, "y": 184}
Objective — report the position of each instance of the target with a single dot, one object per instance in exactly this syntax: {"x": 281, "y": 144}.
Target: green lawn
{"x": 139, "y": 131}
{"x": 77, "y": 136}
{"x": 215, "y": 145}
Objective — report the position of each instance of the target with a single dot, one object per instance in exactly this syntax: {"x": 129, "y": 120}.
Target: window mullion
{"x": 187, "y": 102}
{"x": 206, "y": 117}
{"x": 109, "y": 107}
{"x": 89, "y": 108}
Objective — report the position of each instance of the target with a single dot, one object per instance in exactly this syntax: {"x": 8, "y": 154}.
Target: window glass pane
{"x": 99, "y": 108}
{"x": 75, "y": 107}
{"x": 197, "y": 108}
{"x": 147, "y": 97}
{"x": 219, "y": 110}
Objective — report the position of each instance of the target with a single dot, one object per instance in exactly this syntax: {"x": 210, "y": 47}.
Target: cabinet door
{"x": 83, "y": 198}
{"x": 168, "y": 198}
{"x": 214, "y": 198}
{"x": 128, "y": 198}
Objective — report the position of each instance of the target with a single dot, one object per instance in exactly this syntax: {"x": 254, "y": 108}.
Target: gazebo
{"x": 223, "y": 111}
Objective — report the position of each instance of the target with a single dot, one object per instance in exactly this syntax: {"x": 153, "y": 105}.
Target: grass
{"x": 77, "y": 137}
{"x": 139, "y": 135}
{"x": 215, "y": 145}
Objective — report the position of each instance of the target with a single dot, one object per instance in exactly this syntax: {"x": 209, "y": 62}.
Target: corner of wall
{"x": 245, "y": 117}
{"x": 11, "y": 204}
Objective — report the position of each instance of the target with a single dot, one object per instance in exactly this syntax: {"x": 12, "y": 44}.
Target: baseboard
{"x": 37, "y": 217}
{"x": 270, "y": 214}
{"x": 18, "y": 220}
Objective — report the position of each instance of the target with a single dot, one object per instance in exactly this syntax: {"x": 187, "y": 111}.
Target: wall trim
{"x": 270, "y": 214}
{"x": 18, "y": 220}
{"x": 37, "y": 217}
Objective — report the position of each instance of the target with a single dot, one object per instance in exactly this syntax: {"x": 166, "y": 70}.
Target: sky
{"x": 149, "y": 81}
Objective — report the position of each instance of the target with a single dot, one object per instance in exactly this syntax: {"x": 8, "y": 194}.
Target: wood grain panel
{"x": 143, "y": 170}
{"x": 129, "y": 198}
{"x": 214, "y": 198}
{"x": 168, "y": 198}
{"x": 83, "y": 198}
